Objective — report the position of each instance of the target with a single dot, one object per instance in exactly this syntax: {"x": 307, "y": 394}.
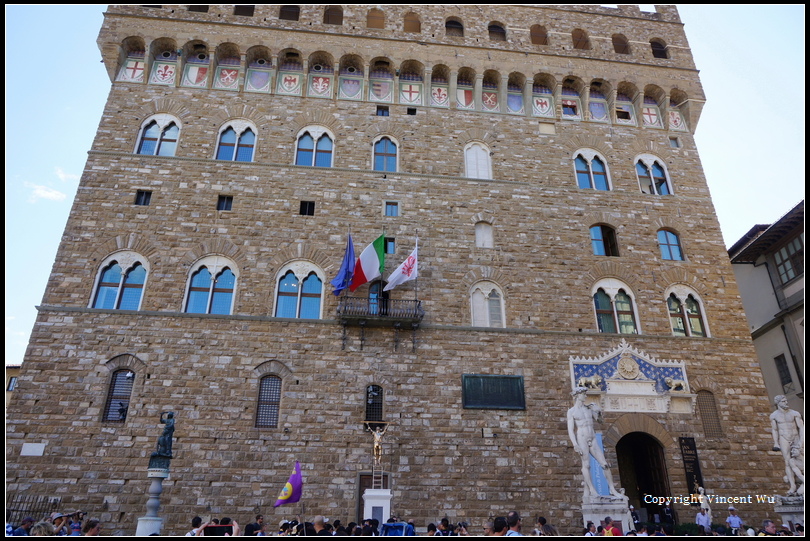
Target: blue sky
{"x": 750, "y": 136}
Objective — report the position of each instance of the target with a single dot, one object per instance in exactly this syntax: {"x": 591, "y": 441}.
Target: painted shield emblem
{"x": 227, "y": 77}
{"x": 464, "y": 97}
{"x": 320, "y": 86}
{"x": 195, "y": 75}
{"x": 133, "y": 71}
{"x": 542, "y": 106}
{"x": 290, "y": 82}
{"x": 411, "y": 94}
{"x": 350, "y": 88}
{"x": 381, "y": 91}
{"x": 439, "y": 95}
{"x": 258, "y": 80}
{"x": 515, "y": 103}
{"x": 163, "y": 73}
{"x": 490, "y": 100}
{"x": 650, "y": 116}
{"x": 675, "y": 120}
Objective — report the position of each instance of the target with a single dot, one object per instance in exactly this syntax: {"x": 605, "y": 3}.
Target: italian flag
{"x": 370, "y": 263}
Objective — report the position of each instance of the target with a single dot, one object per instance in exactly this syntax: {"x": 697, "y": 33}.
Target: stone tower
{"x": 545, "y": 158}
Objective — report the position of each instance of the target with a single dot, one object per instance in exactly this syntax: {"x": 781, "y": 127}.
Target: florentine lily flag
{"x": 408, "y": 270}
{"x": 346, "y": 272}
{"x": 370, "y": 263}
{"x": 291, "y": 492}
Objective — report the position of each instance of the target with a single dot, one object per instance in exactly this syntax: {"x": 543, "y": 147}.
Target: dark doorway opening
{"x": 642, "y": 472}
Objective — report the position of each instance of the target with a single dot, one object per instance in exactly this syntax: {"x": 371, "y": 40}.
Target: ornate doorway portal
{"x": 642, "y": 470}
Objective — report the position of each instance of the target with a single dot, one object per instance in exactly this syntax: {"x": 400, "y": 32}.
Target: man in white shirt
{"x": 704, "y": 520}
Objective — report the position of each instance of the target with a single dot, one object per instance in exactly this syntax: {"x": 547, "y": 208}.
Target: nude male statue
{"x": 378, "y": 435}
{"x": 581, "y": 431}
{"x": 787, "y": 429}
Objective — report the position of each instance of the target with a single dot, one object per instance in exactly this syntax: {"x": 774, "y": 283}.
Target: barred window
{"x": 708, "y": 414}
{"x": 374, "y": 403}
{"x": 269, "y": 400}
{"x": 118, "y": 396}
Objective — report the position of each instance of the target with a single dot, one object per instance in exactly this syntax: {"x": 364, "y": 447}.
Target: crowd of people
{"x": 77, "y": 523}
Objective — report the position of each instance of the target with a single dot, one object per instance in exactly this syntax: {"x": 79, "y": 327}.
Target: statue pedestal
{"x": 377, "y": 504}
{"x": 595, "y": 509}
{"x": 152, "y": 523}
{"x": 791, "y": 509}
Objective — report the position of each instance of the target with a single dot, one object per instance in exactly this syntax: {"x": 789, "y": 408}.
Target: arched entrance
{"x": 642, "y": 471}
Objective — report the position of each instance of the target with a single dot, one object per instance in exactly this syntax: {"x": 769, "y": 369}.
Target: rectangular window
{"x": 391, "y": 208}
{"x": 492, "y": 392}
{"x": 245, "y": 11}
{"x": 143, "y": 198}
{"x": 790, "y": 260}
{"x": 382, "y": 110}
{"x": 390, "y": 245}
{"x": 784, "y": 373}
{"x": 198, "y": 9}
{"x": 12, "y": 383}
{"x": 674, "y": 142}
{"x": 412, "y": 111}
{"x": 623, "y": 114}
{"x": 225, "y": 202}
{"x": 307, "y": 208}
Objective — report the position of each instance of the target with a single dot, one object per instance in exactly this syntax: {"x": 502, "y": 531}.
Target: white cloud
{"x": 43, "y": 192}
{"x": 65, "y": 177}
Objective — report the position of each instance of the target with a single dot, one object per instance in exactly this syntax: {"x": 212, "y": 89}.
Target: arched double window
{"x": 685, "y": 314}
{"x": 486, "y": 300}
{"x": 670, "y": 245}
{"x": 615, "y": 308}
{"x": 385, "y": 155}
{"x": 212, "y": 285}
{"x": 159, "y": 135}
{"x": 652, "y": 176}
{"x": 314, "y": 148}
{"x": 236, "y": 143}
{"x": 477, "y": 162}
{"x": 591, "y": 171}
{"x": 299, "y": 291}
{"x": 269, "y": 402}
{"x": 120, "y": 283}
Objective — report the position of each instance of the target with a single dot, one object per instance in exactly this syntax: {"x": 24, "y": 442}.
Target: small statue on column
{"x": 164, "y": 444}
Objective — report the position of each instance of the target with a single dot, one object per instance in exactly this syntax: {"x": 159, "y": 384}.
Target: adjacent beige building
{"x": 544, "y": 157}
{"x": 768, "y": 264}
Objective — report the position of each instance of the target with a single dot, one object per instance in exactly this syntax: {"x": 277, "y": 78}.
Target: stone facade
{"x": 441, "y": 458}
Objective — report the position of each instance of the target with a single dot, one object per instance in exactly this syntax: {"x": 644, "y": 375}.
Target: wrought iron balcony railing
{"x": 379, "y": 310}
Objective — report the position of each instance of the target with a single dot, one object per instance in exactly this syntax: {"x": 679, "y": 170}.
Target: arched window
{"x": 385, "y": 155}
{"x": 300, "y": 287}
{"x": 580, "y": 39}
{"x": 615, "y": 311}
{"x": 412, "y": 23}
{"x": 289, "y": 13}
{"x": 236, "y": 146}
{"x": 314, "y": 148}
{"x": 477, "y": 163}
{"x": 707, "y": 408}
{"x": 620, "y": 44}
{"x": 496, "y": 32}
{"x": 670, "y": 245}
{"x": 269, "y": 401}
{"x": 685, "y": 314}
{"x": 159, "y": 137}
{"x": 486, "y": 301}
{"x": 591, "y": 171}
{"x": 119, "y": 290}
{"x": 659, "y": 49}
{"x": 483, "y": 235}
{"x": 119, "y": 394}
{"x": 454, "y": 28}
{"x": 333, "y": 15}
{"x": 652, "y": 177}
{"x": 211, "y": 287}
{"x": 538, "y": 35}
{"x": 374, "y": 403}
{"x": 603, "y": 241}
{"x": 375, "y": 19}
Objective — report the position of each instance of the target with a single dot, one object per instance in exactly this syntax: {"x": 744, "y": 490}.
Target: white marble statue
{"x": 787, "y": 429}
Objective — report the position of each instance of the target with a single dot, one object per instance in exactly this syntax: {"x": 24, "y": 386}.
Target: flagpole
{"x": 416, "y": 282}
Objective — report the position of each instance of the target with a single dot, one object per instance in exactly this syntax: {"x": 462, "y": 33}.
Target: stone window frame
{"x": 374, "y": 153}
{"x": 647, "y": 162}
{"x": 588, "y": 155}
{"x": 268, "y": 401}
{"x": 484, "y": 234}
{"x": 483, "y": 304}
{"x": 375, "y": 403}
{"x": 163, "y": 121}
{"x": 215, "y": 264}
{"x": 316, "y": 133}
{"x": 709, "y": 416}
{"x": 125, "y": 259}
{"x": 240, "y": 127}
{"x": 289, "y": 13}
{"x": 118, "y": 367}
{"x": 474, "y": 166}
{"x": 302, "y": 269}
{"x": 612, "y": 287}
{"x": 683, "y": 294}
